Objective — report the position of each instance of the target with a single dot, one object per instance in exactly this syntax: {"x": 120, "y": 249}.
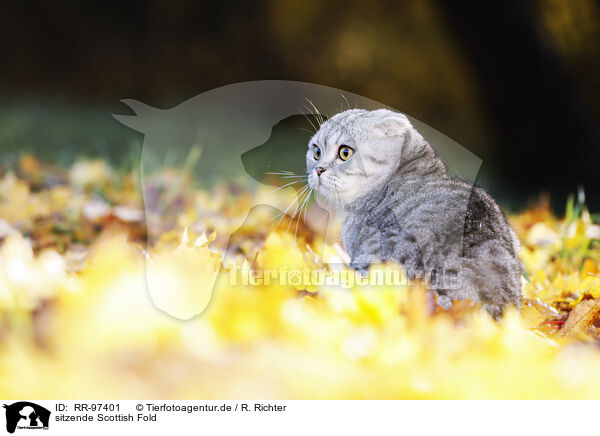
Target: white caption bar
{"x": 155, "y": 417}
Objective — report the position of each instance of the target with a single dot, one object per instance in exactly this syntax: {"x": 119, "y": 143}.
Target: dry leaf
{"x": 581, "y": 319}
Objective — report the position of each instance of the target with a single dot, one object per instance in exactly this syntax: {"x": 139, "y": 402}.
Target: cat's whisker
{"x": 300, "y": 204}
{"x": 317, "y": 111}
{"x": 284, "y": 186}
{"x": 284, "y": 213}
{"x": 293, "y": 216}
{"x": 304, "y": 206}
{"x": 289, "y": 175}
{"x": 306, "y": 130}
{"x": 301, "y": 199}
{"x": 309, "y": 111}
{"x": 347, "y": 102}
{"x": 309, "y": 120}
{"x": 307, "y": 202}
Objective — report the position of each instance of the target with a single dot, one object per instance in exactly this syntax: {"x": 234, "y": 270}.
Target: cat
{"x": 401, "y": 205}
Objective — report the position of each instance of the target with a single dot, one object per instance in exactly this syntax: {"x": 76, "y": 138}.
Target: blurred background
{"x": 516, "y": 82}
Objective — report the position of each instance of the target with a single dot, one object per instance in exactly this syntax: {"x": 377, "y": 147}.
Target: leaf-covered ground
{"x": 77, "y": 319}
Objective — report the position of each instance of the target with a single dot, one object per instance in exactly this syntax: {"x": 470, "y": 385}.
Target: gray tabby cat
{"x": 401, "y": 205}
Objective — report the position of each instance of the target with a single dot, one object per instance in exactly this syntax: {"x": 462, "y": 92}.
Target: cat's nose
{"x": 320, "y": 170}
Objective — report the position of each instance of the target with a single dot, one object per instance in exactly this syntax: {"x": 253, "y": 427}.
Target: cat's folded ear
{"x": 393, "y": 124}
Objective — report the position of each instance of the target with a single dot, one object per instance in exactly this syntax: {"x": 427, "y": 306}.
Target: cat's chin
{"x": 327, "y": 201}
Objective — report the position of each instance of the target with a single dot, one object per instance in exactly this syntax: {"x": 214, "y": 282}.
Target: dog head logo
{"x": 244, "y": 131}
{"x": 26, "y": 415}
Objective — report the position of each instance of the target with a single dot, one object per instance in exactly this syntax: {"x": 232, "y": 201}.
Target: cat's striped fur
{"x": 401, "y": 205}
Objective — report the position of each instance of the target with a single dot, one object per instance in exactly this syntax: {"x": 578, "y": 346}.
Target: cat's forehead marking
{"x": 334, "y": 136}
{"x": 351, "y": 123}
{"x": 338, "y": 128}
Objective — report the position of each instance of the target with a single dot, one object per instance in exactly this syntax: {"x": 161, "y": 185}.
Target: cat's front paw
{"x": 361, "y": 267}
{"x": 444, "y": 301}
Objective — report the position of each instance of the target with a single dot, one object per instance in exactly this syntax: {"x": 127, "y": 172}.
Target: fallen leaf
{"x": 581, "y": 319}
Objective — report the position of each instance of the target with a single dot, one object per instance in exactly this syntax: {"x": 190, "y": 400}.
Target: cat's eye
{"x": 345, "y": 152}
{"x": 317, "y": 152}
